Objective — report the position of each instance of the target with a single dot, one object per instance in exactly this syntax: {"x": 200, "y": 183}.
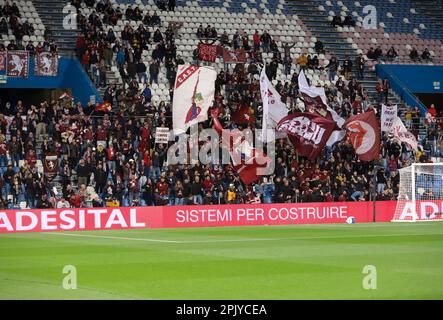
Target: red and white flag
{"x": 207, "y": 52}
{"x": 2, "y": 60}
{"x": 364, "y": 133}
{"x": 243, "y": 115}
{"x": 193, "y": 95}
{"x": 104, "y": 107}
{"x": 273, "y": 108}
{"x": 248, "y": 162}
{"x": 316, "y": 102}
{"x": 308, "y": 132}
{"x": 46, "y": 64}
{"x": 402, "y": 134}
{"x": 234, "y": 56}
{"x": 18, "y": 64}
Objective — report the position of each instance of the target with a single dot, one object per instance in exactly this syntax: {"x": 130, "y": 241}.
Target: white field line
{"x": 110, "y": 237}
{"x": 239, "y": 240}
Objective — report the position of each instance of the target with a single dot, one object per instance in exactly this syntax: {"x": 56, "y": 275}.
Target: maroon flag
{"x": 51, "y": 165}
{"x": 246, "y": 165}
{"x": 308, "y": 132}
{"x": 18, "y": 64}
{"x": 313, "y": 104}
{"x": 2, "y": 60}
{"x": 234, "y": 56}
{"x": 364, "y": 132}
{"x": 46, "y": 64}
{"x": 207, "y": 52}
{"x": 105, "y": 107}
{"x": 244, "y": 115}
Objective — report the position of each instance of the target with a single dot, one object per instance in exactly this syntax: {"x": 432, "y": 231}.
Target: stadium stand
{"x": 112, "y": 158}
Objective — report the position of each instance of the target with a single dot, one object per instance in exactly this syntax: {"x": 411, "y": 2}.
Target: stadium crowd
{"x": 111, "y": 158}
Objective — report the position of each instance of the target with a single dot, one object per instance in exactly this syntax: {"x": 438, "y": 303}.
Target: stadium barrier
{"x": 48, "y": 220}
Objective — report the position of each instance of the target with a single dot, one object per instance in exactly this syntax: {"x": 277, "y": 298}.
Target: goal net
{"x": 420, "y": 196}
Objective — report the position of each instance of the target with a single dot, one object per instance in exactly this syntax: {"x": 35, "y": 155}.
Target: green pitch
{"x": 269, "y": 262}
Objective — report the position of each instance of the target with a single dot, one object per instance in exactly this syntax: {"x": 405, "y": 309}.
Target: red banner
{"x": 234, "y": 56}
{"x": 46, "y": 64}
{"x": 364, "y": 132}
{"x": 307, "y": 132}
{"x": 18, "y": 64}
{"x": 41, "y": 220}
{"x": 207, "y": 52}
{"x": 2, "y": 60}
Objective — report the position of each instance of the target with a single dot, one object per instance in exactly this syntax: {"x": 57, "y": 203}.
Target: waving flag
{"x": 247, "y": 160}
{"x": 104, "y": 107}
{"x": 244, "y": 115}
{"x": 316, "y": 102}
{"x": 308, "y": 132}
{"x": 193, "y": 95}
{"x": 400, "y": 132}
{"x": 364, "y": 133}
{"x": 273, "y": 108}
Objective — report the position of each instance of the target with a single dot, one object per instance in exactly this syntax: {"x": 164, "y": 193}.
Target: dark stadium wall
{"x": 409, "y": 80}
{"x": 431, "y": 98}
{"x": 71, "y": 75}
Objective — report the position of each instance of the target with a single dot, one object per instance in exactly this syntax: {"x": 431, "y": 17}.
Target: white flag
{"x": 316, "y": 102}
{"x": 273, "y": 108}
{"x": 193, "y": 95}
{"x": 402, "y": 134}
{"x": 387, "y": 117}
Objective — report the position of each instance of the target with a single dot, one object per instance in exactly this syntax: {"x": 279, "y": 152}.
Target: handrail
{"x": 400, "y": 88}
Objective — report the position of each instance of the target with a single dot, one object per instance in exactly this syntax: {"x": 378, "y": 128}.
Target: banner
{"x": 51, "y": 166}
{"x": 234, "y": 56}
{"x": 364, "y": 133}
{"x": 387, "y": 117}
{"x": 273, "y": 108}
{"x": 46, "y": 64}
{"x": 193, "y": 95}
{"x": 207, "y": 52}
{"x": 117, "y": 218}
{"x": 2, "y": 60}
{"x": 244, "y": 115}
{"x": 248, "y": 161}
{"x": 316, "y": 102}
{"x": 308, "y": 132}
{"x": 103, "y": 107}
{"x": 401, "y": 134}
{"x": 18, "y": 64}
{"x": 161, "y": 135}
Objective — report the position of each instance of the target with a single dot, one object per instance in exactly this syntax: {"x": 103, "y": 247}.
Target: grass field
{"x": 269, "y": 262}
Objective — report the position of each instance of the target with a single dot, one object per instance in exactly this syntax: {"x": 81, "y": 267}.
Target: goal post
{"x": 420, "y": 196}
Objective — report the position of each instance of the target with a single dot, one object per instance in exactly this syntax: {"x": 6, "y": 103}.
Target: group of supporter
{"x": 112, "y": 159}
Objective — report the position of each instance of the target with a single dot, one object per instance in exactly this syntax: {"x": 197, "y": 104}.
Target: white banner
{"x": 161, "y": 135}
{"x": 273, "y": 108}
{"x": 388, "y": 115}
{"x": 403, "y": 135}
{"x": 193, "y": 95}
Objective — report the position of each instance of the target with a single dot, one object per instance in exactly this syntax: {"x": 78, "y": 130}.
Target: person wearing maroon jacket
{"x": 3, "y": 149}
{"x": 162, "y": 191}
